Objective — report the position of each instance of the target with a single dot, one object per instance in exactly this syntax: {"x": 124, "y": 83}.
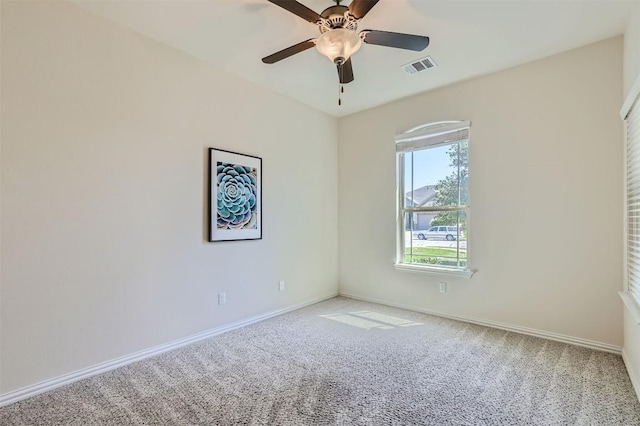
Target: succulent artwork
{"x": 237, "y": 196}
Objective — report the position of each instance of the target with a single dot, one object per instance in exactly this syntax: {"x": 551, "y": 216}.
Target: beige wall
{"x": 545, "y": 167}
{"x": 104, "y": 137}
{"x": 632, "y": 50}
{"x": 631, "y": 73}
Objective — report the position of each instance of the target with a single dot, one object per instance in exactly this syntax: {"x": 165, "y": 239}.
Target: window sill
{"x": 463, "y": 273}
{"x": 632, "y": 306}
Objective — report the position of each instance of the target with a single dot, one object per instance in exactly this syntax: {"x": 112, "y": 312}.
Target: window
{"x": 433, "y": 198}
{"x": 633, "y": 202}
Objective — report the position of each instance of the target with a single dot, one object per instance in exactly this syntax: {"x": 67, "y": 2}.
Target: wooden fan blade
{"x": 345, "y": 72}
{"x": 359, "y": 8}
{"x": 289, "y": 51}
{"x": 398, "y": 40}
{"x": 298, "y": 9}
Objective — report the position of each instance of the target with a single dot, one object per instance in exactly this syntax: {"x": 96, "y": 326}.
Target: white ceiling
{"x": 468, "y": 38}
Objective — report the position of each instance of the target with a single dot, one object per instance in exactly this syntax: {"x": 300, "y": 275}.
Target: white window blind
{"x": 633, "y": 202}
{"x": 433, "y": 135}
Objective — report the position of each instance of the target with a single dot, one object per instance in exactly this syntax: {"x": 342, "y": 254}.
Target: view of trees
{"x": 450, "y": 191}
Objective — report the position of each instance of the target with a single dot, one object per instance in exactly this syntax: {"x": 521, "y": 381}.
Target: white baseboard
{"x": 47, "y": 385}
{"x": 605, "y": 347}
{"x": 633, "y": 374}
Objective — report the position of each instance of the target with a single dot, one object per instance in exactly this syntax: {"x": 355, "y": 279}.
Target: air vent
{"x": 420, "y": 65}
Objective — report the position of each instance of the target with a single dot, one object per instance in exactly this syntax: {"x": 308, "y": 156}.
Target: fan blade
{"x": 399, "y": 40}
{"x": 298, "y": 9}
{"x": 345, "y": 72}
{"x": 289, "y": 51}
{"x": 359, "y": 8}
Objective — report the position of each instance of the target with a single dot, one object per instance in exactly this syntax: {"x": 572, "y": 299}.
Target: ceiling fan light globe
{"x": 338, "y": 44}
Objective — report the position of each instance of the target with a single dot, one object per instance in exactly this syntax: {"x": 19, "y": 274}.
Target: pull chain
{"x": 340, "y": 85}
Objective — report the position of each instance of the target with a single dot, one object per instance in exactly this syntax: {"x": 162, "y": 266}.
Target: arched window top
{"x": 432, "y": 134}
{"x": 436, "y": 125}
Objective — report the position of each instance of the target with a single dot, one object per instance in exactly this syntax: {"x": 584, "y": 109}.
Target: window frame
{"x": 630, "y": 111}
{"x": 419, "y": 138}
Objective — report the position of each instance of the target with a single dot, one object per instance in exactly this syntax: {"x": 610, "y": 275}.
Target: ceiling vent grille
{"x": 420, "y": 65}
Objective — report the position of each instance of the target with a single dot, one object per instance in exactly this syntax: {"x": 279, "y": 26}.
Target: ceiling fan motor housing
{"x": 337, "y": 17}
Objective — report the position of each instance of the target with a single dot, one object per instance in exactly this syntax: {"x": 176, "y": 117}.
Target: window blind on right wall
{"x": 633, "y": 202}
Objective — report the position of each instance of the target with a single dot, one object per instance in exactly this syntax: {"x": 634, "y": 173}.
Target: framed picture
{"x": 235, "y": 196}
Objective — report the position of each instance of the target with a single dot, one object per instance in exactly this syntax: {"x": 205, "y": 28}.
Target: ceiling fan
{"x": 339, "y": 39}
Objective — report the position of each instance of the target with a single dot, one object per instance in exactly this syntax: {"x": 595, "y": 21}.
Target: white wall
{"x": 631, "y": 74}
{"x": 104, "y": 138}
{"x": 631, "y": 58}
{"x": 545, "y": 167}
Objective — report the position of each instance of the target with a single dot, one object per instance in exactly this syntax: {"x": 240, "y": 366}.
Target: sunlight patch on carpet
{"x": 369, "y": 320}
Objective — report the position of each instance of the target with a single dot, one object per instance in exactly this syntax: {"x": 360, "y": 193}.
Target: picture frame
{"x": 235, "y": 196}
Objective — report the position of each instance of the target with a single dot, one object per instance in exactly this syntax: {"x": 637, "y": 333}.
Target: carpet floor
{"x": 347, "y": 362}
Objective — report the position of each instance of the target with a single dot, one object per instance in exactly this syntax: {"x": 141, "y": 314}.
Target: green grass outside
{"x": 436, "y": 252}
{"x": 434, "y": 255}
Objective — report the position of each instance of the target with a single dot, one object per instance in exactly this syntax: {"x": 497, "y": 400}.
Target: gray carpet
{"x": 345, "y": 362}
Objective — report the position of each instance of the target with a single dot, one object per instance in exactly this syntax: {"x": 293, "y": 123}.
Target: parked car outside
{"x": 448, "y": 233}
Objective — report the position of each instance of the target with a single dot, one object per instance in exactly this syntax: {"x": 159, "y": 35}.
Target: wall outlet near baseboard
{"x": 281, "y": 285}
{"x": 222, "y": 298}
{"x": 443, "y": 287}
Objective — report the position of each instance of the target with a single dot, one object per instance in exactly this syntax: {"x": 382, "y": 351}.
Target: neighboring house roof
{"x": 420, "y": 196}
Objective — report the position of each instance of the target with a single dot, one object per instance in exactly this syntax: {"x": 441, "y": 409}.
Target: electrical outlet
{"x": 281, "y": 285}
{"x": 222, "y": 298}
{"x": 443, "y": 287}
